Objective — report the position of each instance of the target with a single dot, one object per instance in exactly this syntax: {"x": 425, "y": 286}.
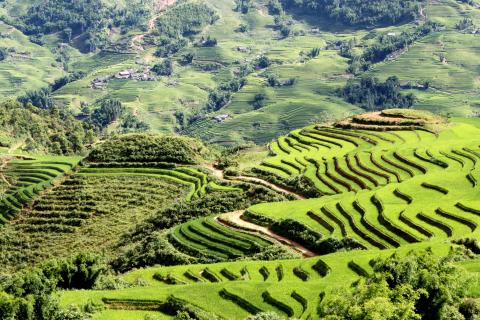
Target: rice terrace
{"x": 239, "y": 159}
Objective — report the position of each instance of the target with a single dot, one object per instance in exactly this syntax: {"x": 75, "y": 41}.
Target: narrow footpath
{"x": 220, "y": 175}
{"x": 234, "y": 219}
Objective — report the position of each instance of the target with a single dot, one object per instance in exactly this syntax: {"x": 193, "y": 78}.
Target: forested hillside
{"x": 238, "y": 71}
{"x": 360, "y": 13}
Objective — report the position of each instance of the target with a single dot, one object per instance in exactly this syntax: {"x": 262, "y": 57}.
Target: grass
{"x": 384, "y": 217}
{"x": 24, "y": 180}
{"x": 250, "y": 288}
{"x": 86, "y": 212}
{"x": 30, "y": 67}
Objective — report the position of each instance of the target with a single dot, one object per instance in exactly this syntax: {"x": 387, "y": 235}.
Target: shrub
{"x": 148, "y": 148}
{"x": 265, "y": 316}
{"x": 267, "y": 297}
{"x": 469, "y": 308}
{"x": 243, "y": 303}
{"x": 163, "y": 69}
{"x": 322, "y": 268}
{"x": 264, "y": 272}
{"x": 302, "y": 274}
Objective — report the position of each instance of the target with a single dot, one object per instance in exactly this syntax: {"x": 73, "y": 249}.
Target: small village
{"x": 128, "y": 74}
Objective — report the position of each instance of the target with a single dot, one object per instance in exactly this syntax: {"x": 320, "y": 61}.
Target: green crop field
{"x": 223, "y": 288}
{"x": 409, "y": 188}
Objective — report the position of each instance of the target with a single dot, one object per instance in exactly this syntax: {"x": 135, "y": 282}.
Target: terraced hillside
{"x": 87, "y": 212}
{"x": 209, "y": 238}
{"x": 196, "y": 180}
{"x": 292, "y": 288}
{"x": 385, "y": 182}
{"x": 23, "y": 180}
{"x": 96, "y": 205}
{"x": 383, "y": 188}
{"x": 93, "y": 207}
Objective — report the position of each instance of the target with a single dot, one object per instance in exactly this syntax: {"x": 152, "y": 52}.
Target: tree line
{"x": 90, "y": 19}
{"x": 359, "y": 12}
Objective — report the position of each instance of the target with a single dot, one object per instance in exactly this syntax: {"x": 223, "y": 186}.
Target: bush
{"x": 263, "y": 62}
{"x": 163, "y": 69}
{"x": 149, "y": 148}
{"x": 265, "y": 316}
{"x": 372, "y": 94}
{"x": 416, "y": 286}
{"x": 360, "y": 12}
{"x": 78, "y": 272}
{"x": 469, "y": 308}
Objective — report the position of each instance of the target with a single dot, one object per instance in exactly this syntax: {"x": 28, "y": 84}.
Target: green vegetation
{"x": 371, "y": 95}
{"x": 31, "y": 129}
{"x": 24, "y": 180}
{"x": 149, "y": 148}
{"x": 360, "y": 13}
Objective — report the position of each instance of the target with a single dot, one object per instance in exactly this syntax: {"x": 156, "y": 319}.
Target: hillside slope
{"x": 440, "y": 67}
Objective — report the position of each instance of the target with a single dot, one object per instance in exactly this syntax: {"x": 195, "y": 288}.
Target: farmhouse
{"x": 221, "y": 117}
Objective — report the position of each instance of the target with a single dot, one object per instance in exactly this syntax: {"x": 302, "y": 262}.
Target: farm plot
{"x": 372, "y": 154}
{"x": 385, "y": 189}
{"x": 208, "y": 238}
{"x": 24, "y": 180}
{"x": 198, "y": 182}
{"x": 292, "y": 288}
{"x": 86, "y": 212}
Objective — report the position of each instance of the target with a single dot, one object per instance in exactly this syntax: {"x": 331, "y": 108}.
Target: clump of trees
{"x": 140, "y": 147}
{"x": 372, "y": 94}
{"x": 175, "y": 26}
{"x": 243, "y": 6}
{"x": 263, "y": 62}
{"x": 417, "y": 286}
{"x": 51, "y": 130}
{"x": 165, "y": 68}
{"x": 91, "y": 19}
{"x": 360, "y": 12}
{"x": 107, "y": 111}
{"x": 464, "y": 24}
{"x": 220, "y": 97}
{"x": 29, "y": 294}
{"x": 259, "y": 101}
{"x": 207, "y": 42}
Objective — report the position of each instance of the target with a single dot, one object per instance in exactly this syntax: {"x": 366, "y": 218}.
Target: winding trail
{"x": 234, "y": 220}
{"x": 218, "y": 173}
{"x": 160, "y": 6}
{"x": 4, "y": 163}
{"x": 271, "y": 186}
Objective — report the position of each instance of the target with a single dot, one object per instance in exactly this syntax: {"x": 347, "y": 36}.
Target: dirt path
{"x": 4, "y": 163}
{"x": 235, "y": 219}
{"x": 159, "y": 6}
{"x": 220, "y": 175}
{"x": 270, "y": 185}
{"x": 216, "y": 172}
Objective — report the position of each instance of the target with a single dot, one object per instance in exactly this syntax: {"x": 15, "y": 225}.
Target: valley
{"x": 239, "y": 159}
